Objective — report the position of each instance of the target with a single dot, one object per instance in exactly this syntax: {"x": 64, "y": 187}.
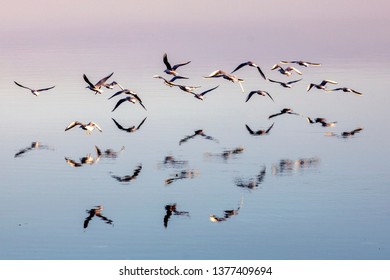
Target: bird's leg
{"x": 242, "y": 88}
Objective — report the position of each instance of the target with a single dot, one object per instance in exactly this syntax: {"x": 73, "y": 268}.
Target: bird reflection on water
{"x": 88, "y": 159}
{"x": 198, "y": 132}
{"x": 36, "y": 145}
{"x": 289, "y": 167}
{"x": 251, "y": 183}
{"x": 130, "y": 128}
{"x": 322, "y": 121}
{"x": 96, "y": 211}
{"x": 260, "y": 131}
{"x": 170, "y": 162}
{"x": 282, "y": 112}
{"x": 170, "y": 209}
{"x": 227, "y": 214}
{"x": 109, "y": 153}
{"x": 345, "y": 134}
{"x": 183, "y": 174}
{"x": 129, "y": 178}
{"x": 226, "y": 154}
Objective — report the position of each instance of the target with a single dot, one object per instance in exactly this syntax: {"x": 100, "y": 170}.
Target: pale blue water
{"x": 335, "y": 205}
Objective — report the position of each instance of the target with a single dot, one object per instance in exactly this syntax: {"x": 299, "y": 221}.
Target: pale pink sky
{"x": 221, "y": 27}
{"x": 176, "y": 12}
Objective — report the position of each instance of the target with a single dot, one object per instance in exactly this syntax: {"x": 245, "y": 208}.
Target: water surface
{"x": 294, "y": 193}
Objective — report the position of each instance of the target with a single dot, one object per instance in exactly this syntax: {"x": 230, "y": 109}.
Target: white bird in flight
{"x": 36, "y": 92}
{"x": 226, "y": 76}
{"x": 96, "y": 87}
{"x": 89, "y": 127}
{"x": 321, "y": 85}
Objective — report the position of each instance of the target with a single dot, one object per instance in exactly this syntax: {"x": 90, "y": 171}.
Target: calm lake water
{"x": 294, "y": 193}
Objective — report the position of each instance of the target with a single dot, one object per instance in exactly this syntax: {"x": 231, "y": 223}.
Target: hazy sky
{"x": 283, "y": 28}
{"x": 176, "y": 12}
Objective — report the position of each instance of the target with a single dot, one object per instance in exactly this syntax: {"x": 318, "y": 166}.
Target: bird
{"x": 129, "y": 178}
{"x": 283, "y": 111}
{"x": 89, "y": 127}
{"x": 345, "y": 89}
{"x": 226, "y": 76}
{"x": 189, "y": 89}
{"x": 259, "y": 92}
{"x": 129, "y": 129}
{"x": 130, "y": 99}
{"x": 35, "y": 92}
{"x": 301, "y": 63}
{"x": 171, "y": 84}
{"x": 286, "y": 71}
{"x": 201, "y": 95}
{"x": 129, "y": 92}
{"x": 252, "y": 64}
{"x": 168, "y": 83}
{"x": 112, "y": 85}
{"x": 171, "y": 70}
{"x": 96, "y": 87}
{"x": 321, "y": 85}
{"x": 259, "y": 132}
{"x": 283, "y": 84}
{"x": 322, "y": 121}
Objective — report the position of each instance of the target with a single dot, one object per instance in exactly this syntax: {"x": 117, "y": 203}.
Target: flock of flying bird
{"x": 133, "y": 97}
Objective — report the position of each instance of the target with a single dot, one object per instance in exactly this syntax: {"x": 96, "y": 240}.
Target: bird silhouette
{"x": 252, "y": 64}
{"x": 258, "y": 92}
{"x": 285, "y": 84}
{"x": 96, "y": 87}
{"x": 322, "y": 85}
{"x": 171, "y": 70}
